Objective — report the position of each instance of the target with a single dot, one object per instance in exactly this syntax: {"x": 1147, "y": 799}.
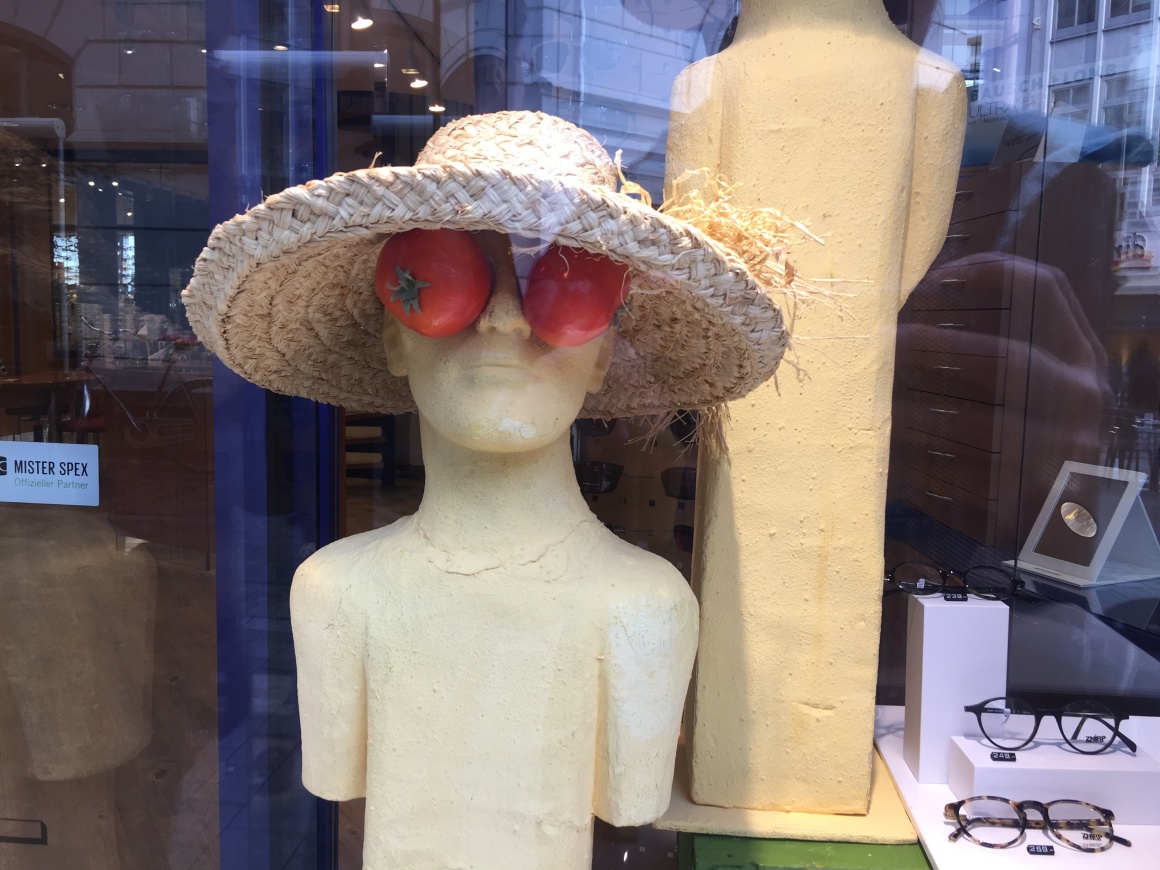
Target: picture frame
{"x": 1092, "y": 529}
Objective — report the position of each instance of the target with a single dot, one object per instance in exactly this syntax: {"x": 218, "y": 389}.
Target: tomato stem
{"x": 407, "y": 290}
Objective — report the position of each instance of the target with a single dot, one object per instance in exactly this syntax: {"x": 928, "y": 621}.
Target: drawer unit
{"x": 967, "y": 468}
{"x": 974, "y": 424}
{"x": 992, "y": 234}
{"x": 979, "y": 406}
{"x": 980, "y": 331}
{"x": 986, "y": 284}
{"x": 976, "y": 378}
{"x": 983, "y": 192}
{"x": 965, "y": 512}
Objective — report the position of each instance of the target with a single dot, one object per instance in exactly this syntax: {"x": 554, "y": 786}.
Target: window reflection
{"x": 1044, "y": 309}
{"x": 108, "y": 672}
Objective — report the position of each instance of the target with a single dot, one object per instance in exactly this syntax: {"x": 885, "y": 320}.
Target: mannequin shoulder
{"x": 933, "y": 72}
{"x": 346, "y": 561}
{"x": 693, "y": 85}
{"x": 634, "y": 576}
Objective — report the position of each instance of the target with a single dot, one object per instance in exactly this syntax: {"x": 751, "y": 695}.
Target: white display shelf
{"x": 925, "y": 804}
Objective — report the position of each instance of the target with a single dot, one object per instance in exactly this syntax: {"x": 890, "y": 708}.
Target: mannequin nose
{"x": 504, "y": 312}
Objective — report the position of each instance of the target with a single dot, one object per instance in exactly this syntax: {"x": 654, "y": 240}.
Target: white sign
{"x": 36, "y": 473}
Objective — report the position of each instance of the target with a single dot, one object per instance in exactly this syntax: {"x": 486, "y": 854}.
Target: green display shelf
{"x": 707, "y": 852}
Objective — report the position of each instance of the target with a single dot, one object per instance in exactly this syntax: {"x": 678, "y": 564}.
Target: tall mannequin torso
{"x": 822, "y": 110}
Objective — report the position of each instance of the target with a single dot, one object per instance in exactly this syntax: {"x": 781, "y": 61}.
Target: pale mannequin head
{"x": 495, "y": 387}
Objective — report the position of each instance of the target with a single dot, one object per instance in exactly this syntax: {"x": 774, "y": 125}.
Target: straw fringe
{"x": 762, "y": 239}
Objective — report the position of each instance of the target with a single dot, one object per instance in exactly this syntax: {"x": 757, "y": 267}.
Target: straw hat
{"x": 284, "y": 294}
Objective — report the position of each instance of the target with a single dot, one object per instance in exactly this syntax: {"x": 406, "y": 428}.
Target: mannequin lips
{"x": 500, "y": 360}
{"x": 508, "y": 367}
{"x": 499, "y": 350}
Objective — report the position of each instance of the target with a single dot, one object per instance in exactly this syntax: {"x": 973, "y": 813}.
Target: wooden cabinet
{"x": 1000, "y": 370}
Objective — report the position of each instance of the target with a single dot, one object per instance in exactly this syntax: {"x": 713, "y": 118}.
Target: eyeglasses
{"x": 923, "y": 578}
{"x": 1087, "y": 726}
{"x": 997, "y": 823}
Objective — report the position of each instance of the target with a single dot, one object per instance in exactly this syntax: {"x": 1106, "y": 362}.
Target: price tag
{"x": 954, "y": 596}
{"x": 1002, "y": 756}
{"x": 1040, "y": 850}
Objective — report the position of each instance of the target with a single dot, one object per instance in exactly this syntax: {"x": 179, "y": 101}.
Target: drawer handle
{"x": 944, "y": 411}
{"x": 941, "y": 455}
{"x": 947, "y": 368}
{"x": 953, "y": 282}
{"x": 958, "y": 237}
{"x": 952, "y": 326}
{"x": 939, "y": 497}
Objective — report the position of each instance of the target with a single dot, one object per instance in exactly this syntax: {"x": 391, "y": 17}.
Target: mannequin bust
{"x": 822, "y": 109}
{"x": 497, "y": 668}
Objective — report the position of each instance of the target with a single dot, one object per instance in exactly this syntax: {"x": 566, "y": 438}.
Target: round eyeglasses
{"x": 1088, "y": 726}
{"x": 998, "y": 823}
{"x": 924, "y": 578}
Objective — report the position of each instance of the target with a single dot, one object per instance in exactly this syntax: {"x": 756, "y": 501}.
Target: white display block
{"x": 925, "y": 805}
{"x": 956, "y": 655}
{"x": 1117, "y": 780}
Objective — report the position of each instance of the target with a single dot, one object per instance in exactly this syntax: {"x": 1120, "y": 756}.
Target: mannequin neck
{"x": 762, "y": 16}
{"x": 498, "y": 503}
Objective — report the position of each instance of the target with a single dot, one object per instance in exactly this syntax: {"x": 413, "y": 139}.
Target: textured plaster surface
{"x": 499, "y": 667}
{"x": 823, "y": 110}
{"x": 885, "y": 820}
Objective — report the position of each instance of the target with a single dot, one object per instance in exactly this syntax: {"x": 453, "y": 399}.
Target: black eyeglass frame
{"x": 1057, "y": 714}
{"x": 988, "y": 593}
{"x": 951, "y": 812}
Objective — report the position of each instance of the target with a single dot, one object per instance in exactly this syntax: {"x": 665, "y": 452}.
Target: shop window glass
{"x": 1080, "y": 200}
{"x": 108, "y": 687}
{"x": 162, "y": 730}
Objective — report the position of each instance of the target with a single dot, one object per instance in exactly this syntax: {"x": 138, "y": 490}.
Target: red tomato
{"x": 435, "y": 282}
{"x": 571, "y": 295}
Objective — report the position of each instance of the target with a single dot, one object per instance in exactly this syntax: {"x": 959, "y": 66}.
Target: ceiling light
{"x": 379, "y": 65}
{"x": 409, "y": 71}
{"x": 116, "y": 184}
{"x": 127, "y": 214}
{"x": 419, "y": 83}
{"x": 362, "y": 16}
{"x": 280, "y": 47}
{"x": 92, "y": 184}
{"x": 360, "y": 23}
{"x": 330, "y": 7}
{"x": 437, "y": 107}
{"x": 996, "y": 69}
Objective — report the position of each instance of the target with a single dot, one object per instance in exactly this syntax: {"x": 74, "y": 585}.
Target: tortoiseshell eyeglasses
{"x": 997, "y": 823}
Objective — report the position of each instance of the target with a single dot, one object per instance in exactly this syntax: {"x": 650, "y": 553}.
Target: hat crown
{"x": 523, "y": 142}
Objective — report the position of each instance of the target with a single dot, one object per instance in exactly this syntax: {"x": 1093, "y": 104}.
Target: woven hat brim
{"x": 284, "y": 294}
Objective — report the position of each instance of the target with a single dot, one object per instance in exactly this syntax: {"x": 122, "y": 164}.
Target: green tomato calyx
{"x": 407, "y": 290}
